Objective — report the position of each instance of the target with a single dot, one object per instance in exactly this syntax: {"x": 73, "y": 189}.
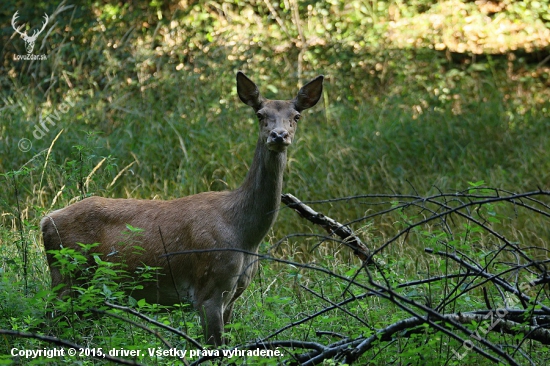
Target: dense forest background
{"x": 423, "y": 100}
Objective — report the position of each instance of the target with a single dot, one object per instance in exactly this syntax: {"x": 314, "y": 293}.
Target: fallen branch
{"x": 331, "y": 226}
{"x": 349, "y": 348}
{"x": 497, "y": 323}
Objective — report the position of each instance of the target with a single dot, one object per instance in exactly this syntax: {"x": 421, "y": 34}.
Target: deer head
{"x": 29, "y": 40}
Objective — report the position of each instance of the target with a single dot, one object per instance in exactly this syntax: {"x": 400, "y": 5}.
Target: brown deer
{"x": 236, "y": 221}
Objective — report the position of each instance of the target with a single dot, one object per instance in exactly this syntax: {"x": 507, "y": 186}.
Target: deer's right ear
{"x": 248, "y": 91}
{"x": 309, "y": 94}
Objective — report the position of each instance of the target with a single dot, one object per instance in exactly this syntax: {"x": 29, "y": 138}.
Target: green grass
{"x": 390, "y": 121}
{"x": 343, "y": 148}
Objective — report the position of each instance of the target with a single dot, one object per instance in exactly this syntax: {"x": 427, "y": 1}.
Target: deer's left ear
{"x": 309, "y": 94}
{"x": 248, "y": 91}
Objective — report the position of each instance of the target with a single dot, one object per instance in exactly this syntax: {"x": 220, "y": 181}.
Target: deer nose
{"x": 278, "y": 136}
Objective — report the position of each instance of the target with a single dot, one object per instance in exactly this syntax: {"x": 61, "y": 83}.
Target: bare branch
{"x": 159, "y": 324}
{"x": 330, "y": 225}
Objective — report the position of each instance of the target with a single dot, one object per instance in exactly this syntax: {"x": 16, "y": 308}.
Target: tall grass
{"x": 143, "y": 126}
{"x": 188, "y": 135}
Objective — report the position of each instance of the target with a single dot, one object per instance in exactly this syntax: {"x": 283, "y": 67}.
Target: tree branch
{"x": 331, "y": 226}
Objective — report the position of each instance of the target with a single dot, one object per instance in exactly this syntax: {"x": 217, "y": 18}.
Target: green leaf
{"x": 134, "y": 229}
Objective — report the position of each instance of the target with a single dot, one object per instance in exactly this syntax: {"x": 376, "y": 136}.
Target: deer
{"x": 29, "y": 40}
{"x": 215, "y": 234}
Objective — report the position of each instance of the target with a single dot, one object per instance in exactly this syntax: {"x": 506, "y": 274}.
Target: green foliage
{"x": 411, "y": 103}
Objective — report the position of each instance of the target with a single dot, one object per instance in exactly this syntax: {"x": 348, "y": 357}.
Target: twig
{"x": 141, "y": 326}
{"x": 153, "y": 321}
{"x": 331, "y": 226}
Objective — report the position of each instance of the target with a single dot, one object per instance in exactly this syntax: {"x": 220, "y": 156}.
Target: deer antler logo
{"x": 29, "y": 40}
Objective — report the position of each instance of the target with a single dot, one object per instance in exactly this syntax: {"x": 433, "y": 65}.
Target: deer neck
{"x": 256, "y": 201}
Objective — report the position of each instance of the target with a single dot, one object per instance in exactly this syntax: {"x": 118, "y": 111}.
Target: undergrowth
{"x": 145, "y": 106}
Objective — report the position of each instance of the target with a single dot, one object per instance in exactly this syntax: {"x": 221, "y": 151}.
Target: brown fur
{"x": 237, "y": 219}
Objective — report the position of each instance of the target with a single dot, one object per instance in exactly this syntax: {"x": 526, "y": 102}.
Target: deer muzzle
{"x": 278, "y": 139}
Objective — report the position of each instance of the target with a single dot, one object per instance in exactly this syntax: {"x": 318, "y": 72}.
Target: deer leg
{"x": 212, "y": 320}
{"x": 227, "y": 313}
{"x": 58, "y": 278}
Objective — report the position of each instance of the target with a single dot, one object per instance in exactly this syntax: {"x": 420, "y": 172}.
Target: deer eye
{"x": 260, "y": 116}
{"x": 297, "y": 117}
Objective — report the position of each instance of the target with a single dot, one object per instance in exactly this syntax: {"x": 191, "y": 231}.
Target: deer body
{"x": 236, "y": 221}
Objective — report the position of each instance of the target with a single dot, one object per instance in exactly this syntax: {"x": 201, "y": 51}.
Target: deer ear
{"x": 309, "y": 94}
{"x": 248, "y": 91}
